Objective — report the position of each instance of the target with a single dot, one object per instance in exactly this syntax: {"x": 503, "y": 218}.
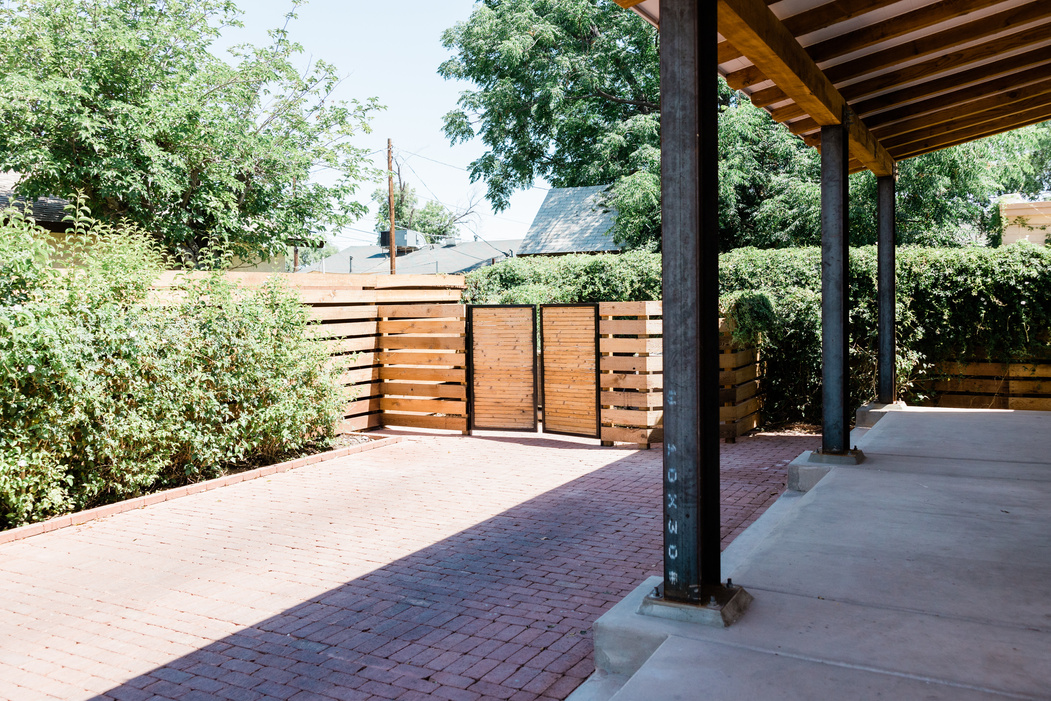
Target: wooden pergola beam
{"x": 753, "y": 28}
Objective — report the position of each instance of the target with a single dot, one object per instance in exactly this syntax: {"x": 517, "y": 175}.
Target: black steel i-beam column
{"x": 835, "y": 306}
{"x": 886, "y": 386}
{"x": 689, "y": 212}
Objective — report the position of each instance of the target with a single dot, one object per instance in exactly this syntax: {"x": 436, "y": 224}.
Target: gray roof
{"x": 461, "y": 258}
{"x": 571, "y": 220}
{"x": 45, "y": 209}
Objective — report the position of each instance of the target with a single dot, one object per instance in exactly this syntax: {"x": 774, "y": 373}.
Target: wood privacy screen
{"x": 401, "y": 338}
{"x": 503, "y": 367}
{"x": 1022, "y": 385}
{"x": 632, "y": 381}
{"x": 569, "y": 369}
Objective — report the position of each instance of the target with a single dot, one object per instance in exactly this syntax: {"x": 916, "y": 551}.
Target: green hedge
{"x": 952, "y": 303}
{"x": 106, "y": 396}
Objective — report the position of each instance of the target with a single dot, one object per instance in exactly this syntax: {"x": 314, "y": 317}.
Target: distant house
{"x": 449, "y": 257}
{"x": 47, "y": 211}
{"x": 1025, "y": 221}
{"x": 571, "y": 220}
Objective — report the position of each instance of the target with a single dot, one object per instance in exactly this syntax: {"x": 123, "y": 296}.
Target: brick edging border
{"x": 120, "y": 507}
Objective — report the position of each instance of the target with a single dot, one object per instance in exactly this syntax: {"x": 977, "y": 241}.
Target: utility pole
{"x": 390, "y": 189}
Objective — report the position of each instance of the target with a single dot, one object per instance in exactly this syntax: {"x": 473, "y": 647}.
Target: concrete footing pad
{"x": 868, "y": 415}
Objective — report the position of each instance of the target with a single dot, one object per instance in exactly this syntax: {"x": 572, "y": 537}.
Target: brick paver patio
{"x": 441, "y": 567}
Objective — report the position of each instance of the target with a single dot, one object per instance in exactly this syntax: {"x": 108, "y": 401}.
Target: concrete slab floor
{"x": 922, "y": 573}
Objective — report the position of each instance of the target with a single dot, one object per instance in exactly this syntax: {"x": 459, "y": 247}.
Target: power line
{"x": 450, "y": 165}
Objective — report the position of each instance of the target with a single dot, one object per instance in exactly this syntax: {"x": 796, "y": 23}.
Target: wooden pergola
{"x": 869, "y": 82}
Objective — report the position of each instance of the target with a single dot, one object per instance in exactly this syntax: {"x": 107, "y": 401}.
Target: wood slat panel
{"x": 644, "y": 400}
{"x": 504, "y": 357}
{"x": 409, "y": 358}
{"x": 448, "y": 423}
{"x": 422, "y": 326}
{"x": 631, "y": 345}
{"x": 449, "y": 407}
{"x": 643, "y": 309}
{"x": 624, "y": 381}
{"x": 426, "y": 374}
{"x": 570, "y": 373}
{"x": 643, "y": 436}
{"x": 359, "y": 423}
{"x": 420, "y": 311}
{"x": 445, "y": 343}
{"x": 421, "y": 389}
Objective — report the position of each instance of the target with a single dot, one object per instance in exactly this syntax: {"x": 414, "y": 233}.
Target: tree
{"x": 555, "y": 78}
{"x": 121, "y": 100}
{"x": 432, "y": 219}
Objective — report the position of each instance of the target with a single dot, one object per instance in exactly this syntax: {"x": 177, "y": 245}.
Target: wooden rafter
{"x": 998, "y": 89}
{"x": 910, "y": 50}
{"x": 1005, "y": 101}
{"x": 872, "y": 34}
{"x": 981, "y": 130}
{"x": 994, "y": 120}
{"x": 919, "y": 71}
{"x": 816, "y": 19}
{"x": 753, "y": 28}
{"x": 919, "y": 91}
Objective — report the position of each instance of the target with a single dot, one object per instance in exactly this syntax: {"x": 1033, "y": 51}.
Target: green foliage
{"x": 575, "y": 278}
{"x": 123, "y": 101}
{"x": 107, "y": 395}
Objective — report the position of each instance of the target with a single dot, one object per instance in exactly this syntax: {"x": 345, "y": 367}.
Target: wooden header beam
{"x": 751, "y": 27}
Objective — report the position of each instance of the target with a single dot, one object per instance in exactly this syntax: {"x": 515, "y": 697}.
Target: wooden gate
{"x": 501, "y": 367}
{"x": 569, "y": 374}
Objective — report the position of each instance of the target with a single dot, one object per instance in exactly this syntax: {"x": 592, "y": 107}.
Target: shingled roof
{"x": 571, "y": 220}
{"x": 47, "y": 211}
{"x": 461, "y": 258}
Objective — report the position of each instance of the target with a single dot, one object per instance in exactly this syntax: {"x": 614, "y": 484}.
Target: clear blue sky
{"x": 391, "y": 50}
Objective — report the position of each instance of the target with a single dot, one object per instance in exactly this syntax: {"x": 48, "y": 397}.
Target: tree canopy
{"x": 554, "y": 78}
{"x": 568, "y": 90}
{"x": 123, "y": 101}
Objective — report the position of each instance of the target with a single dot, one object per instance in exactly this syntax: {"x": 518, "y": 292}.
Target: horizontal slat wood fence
{"x": 632, "y": 376}
{"x": 1024, "y": 385}
{"x": 401, "y": 340}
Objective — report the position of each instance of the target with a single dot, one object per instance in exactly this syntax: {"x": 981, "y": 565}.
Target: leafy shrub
{"x": 108, "y": 394}
{"x": 631, "y": 276}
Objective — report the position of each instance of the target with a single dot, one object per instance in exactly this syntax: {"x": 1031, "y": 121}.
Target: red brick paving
{"x": 441, "y": 568}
